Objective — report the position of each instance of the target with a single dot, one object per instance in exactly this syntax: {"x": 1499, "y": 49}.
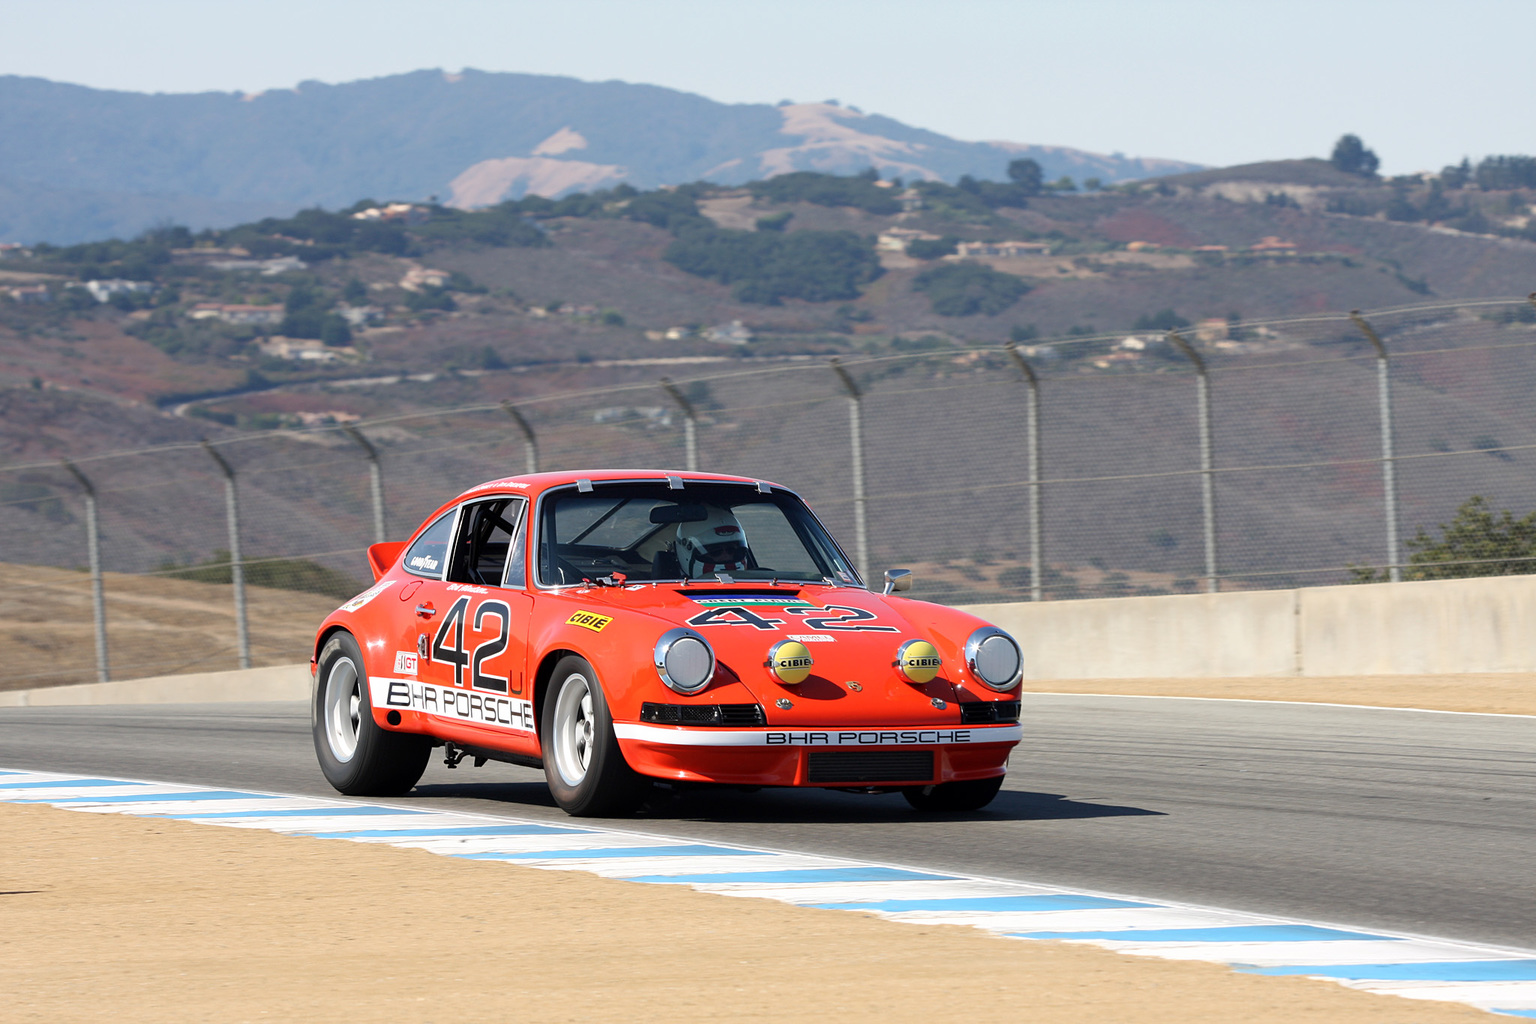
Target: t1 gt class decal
{"x": 405, "y": 662}
{"x": 460, "y": 705}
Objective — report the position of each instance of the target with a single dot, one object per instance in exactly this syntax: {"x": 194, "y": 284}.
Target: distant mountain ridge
{"x": 78, "y": 163}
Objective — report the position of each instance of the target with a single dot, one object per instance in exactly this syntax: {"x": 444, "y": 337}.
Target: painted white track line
{"x": 1492, "y": 978}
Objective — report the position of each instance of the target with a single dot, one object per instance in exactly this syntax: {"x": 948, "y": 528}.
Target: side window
{"x": 484, "y": 541}
{"x": 427, "y": 555}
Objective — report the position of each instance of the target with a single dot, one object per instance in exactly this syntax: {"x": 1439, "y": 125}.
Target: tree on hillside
{"x": 1351, "y": 157}
{"x": 1026, "y": 174}
{"x": 1477, "y": 542}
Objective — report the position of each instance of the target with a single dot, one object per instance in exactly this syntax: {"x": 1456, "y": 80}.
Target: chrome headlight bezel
{"x": 664, "y": 647}
{"x": 973, "y": 652}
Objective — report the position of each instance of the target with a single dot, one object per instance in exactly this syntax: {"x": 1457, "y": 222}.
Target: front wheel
{"x": 971, "y": 795}
{"x": 357, "y": 757}
{"x": 587, "y": 773}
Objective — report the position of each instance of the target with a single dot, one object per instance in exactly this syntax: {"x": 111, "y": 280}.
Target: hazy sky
{"x": 1215, "y": 82}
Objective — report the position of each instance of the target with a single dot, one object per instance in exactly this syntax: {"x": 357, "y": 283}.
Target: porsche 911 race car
{"x": 621, "y": 628}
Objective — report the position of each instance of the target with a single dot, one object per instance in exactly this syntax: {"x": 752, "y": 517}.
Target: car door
{"x": 475, "y": 624}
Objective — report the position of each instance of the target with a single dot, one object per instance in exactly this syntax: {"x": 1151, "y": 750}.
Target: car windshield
{"x": 648, "y": 531}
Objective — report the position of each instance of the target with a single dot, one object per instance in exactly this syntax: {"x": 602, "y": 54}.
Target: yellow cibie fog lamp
{"x": 918, "y": 661}
{"x": 790, "y": 661}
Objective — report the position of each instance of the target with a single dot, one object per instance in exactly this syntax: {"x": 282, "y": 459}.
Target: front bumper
{"x": 843, "y": 756}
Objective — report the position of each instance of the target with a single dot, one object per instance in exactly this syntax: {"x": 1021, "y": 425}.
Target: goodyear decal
{"x": 589, "y": 620}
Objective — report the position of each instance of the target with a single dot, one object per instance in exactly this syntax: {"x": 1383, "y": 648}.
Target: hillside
{"x": 82, "y": 163}
{"x": 573, "y": 309}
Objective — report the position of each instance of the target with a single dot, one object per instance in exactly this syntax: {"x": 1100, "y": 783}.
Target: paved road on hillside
{"x": 1409, "y": 821}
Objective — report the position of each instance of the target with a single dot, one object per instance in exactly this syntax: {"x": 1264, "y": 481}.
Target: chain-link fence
{"x": 1079, "y": 467}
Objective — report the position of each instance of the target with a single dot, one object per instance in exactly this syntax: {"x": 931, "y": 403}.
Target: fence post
{"x": 530, "y": 440}
{"x": 856, "y": 440}
{"x": 93, "y": 554}
{"x": 1207, "y": 459}
{"x": 375, "y": 481}
{"x": 1032, "y": 442}
{"x": 690, "y": 425}
{"x": 1388, "y": 455}
{"x": 236, "y": 566}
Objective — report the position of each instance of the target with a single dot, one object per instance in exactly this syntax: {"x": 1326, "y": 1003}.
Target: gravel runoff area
{"x": 149, "y": 920}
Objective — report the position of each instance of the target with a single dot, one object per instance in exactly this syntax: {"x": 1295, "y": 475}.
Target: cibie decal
{"x": 812, "y": 638}
{"x": 446, "y": 702}
{"x": 367, "y": 595}
{"x": 405, "y": 662}
{"x": 589, "y": 620}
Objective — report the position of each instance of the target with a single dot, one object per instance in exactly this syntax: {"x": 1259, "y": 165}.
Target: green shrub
{"x": 767, "y": 267}
{"x": 858, "y": 191}
{"x": 965, "y": 289}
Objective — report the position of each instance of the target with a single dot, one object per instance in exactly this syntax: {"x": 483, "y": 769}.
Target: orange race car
{"x": 621, "y": 628}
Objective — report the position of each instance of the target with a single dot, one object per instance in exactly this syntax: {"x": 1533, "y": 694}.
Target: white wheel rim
{"x": 575, "y": 728}
{"x": 343, "y": 708}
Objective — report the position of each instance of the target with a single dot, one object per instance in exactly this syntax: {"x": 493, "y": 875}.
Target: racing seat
{"x": 664, "y": 565}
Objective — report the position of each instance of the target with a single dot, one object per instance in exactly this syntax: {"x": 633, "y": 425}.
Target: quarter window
{"x": 427, "y": 556}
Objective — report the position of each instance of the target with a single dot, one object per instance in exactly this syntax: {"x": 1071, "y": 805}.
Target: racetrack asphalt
{"x": 1409, "y": 821}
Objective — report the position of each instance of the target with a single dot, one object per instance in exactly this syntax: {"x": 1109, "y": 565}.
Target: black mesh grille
{"x": 976, "y": 712}
{"x": 702, "y": 714}
{"x": 870, "y": 766}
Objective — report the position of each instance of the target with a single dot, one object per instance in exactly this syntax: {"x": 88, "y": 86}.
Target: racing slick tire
{"x": 357, "y": 757}
{"x": 587, "y": 773}
{"x": 971, "y": 795}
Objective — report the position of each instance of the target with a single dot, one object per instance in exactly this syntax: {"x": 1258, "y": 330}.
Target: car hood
{"x": 852, "y": 634}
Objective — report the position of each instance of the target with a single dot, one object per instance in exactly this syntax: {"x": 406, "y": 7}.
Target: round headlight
{"x": 791, "y": 661}
{"x": 994, "y": 658}
{"x": 684, "y": 660}
{"x": 918, "y": 660}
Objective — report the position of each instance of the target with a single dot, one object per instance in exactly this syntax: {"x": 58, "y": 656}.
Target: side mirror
{"x": 897, "y": 579}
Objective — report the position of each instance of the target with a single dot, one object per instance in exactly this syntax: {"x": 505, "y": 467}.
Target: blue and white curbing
{"x": 1491, "y": 978}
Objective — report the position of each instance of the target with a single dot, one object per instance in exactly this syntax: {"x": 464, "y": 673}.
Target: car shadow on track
{"x": 806, "y": 806}
{"x": 788, "y": 806}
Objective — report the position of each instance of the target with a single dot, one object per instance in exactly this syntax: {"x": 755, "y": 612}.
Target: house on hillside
{"x": 401, "y": 213}
{"x": 1212, "y": 329}
{"x": 897, "y": 239}
{"x": 971, "y": 250}
{"x": 236, "y": 313}
{"x": 31, "y": 294}
{"x": 1272, "y": 243}
{"x": 733, "y": 333}
{"x": 418, "y": 278}
{"x": 103, "y": 291}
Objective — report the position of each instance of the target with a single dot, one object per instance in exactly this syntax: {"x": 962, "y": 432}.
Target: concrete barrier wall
{"x": 278, "y": 682}
{"x": 1424, "y": 628}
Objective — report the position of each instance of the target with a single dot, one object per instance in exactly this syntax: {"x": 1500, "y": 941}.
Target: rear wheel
{"x": 971, "y": 795}
{"x": 357, "y": 757}
{"x": 587, "y": 773}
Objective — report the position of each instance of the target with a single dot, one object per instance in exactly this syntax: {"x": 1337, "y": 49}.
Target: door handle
{"x": 426, "y": 611}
